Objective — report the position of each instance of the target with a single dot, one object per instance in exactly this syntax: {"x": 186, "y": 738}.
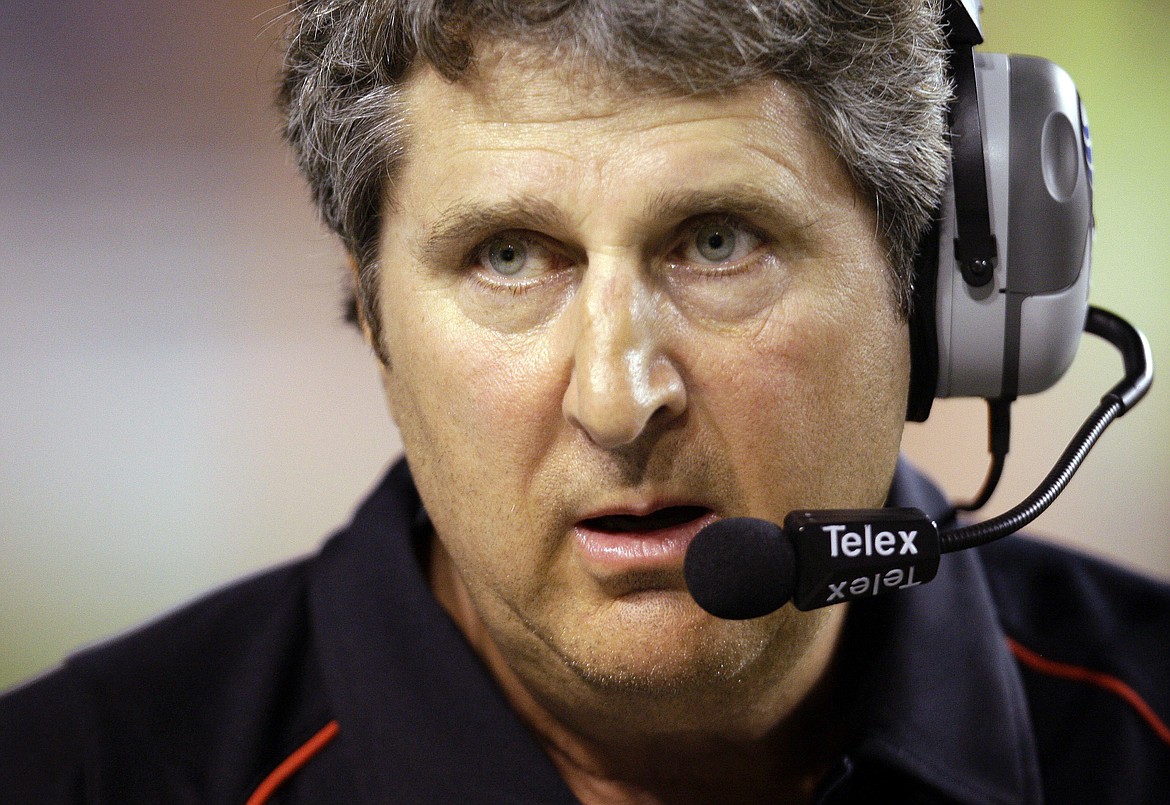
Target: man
{"x": 628, "y": 269}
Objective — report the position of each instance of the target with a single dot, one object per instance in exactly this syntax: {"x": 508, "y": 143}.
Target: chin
{"x": 670, "y": 648}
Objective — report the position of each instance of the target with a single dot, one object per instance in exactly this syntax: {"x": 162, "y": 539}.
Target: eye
{"x": 507, "y": 257}
{"x": 716, "y": 242}
{"x": 513, "y": 258}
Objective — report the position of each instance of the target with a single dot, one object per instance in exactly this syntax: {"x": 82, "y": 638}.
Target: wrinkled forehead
{"x": 517, "y": 94}
{"x": 517, "y": 102}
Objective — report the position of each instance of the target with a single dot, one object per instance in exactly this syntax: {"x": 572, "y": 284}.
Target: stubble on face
{"x": 791, "y": 400}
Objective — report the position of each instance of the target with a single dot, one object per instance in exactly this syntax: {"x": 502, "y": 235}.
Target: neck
{"x": 783, "y": 765}
{"x": 645, "y": 748}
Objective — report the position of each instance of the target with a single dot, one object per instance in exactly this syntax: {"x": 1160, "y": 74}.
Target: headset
{"x": 1002, "y": 281}
{"x": 1000, "y": 299}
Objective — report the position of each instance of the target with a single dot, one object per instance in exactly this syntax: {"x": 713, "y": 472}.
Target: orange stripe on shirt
{"x": 1112, "y": 684}
{"x": 291, "y": 764}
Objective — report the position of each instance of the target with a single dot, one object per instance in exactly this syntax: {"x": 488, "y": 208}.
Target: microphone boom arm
{"x": 741, "y": 568}
{"x": 1139, "y": 375}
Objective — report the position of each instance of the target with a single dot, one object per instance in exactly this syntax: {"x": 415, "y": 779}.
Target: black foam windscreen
{"x": 741, "y": 568}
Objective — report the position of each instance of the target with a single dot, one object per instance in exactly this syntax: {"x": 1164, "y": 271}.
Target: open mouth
{"x": 633, "y": 523}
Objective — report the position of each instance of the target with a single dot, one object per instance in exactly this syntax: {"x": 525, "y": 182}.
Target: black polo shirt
{"x": 1023, "y": 672}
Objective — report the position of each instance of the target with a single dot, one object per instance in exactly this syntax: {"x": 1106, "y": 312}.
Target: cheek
{"x": 476, "y": 412}
{"x": 479, "y": 403}
{"x": 819, "y": 398}
{"x": 860, "y": 397}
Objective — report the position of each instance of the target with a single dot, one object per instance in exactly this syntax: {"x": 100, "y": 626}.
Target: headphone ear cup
{"x": 1014, "y": 330}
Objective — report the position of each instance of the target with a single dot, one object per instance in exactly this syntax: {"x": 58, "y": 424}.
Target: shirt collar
{"x": 420, "y": 717}
{"x": 939, "y": 696}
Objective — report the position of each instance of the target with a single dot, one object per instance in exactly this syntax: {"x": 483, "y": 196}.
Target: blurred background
{"x": 181, "y": 403}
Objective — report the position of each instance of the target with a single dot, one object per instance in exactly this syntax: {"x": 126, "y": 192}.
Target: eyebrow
{"x": 464, "y": 221}
{"x": 746, "y": 200}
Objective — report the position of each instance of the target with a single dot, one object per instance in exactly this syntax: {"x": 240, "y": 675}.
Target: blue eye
{"x": 715, "y": 242}
{"x": 507, "y": 257}
{"x": 516, "y": 259}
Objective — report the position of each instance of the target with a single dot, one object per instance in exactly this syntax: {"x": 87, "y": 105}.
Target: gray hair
{"x": 871, "y": 73}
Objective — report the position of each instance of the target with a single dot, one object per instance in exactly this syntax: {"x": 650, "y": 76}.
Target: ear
{"x": 355, "y": 314}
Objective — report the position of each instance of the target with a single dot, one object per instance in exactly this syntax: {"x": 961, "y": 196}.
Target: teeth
{"x": 663, "y": 518}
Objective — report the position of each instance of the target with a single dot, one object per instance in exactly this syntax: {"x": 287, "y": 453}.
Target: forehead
{"x": 524, "y": 126}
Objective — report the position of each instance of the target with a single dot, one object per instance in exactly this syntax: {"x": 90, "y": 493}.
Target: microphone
{"x": 742, "y": 568}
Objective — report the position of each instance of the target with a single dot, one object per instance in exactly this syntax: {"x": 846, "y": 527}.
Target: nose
{"x": 623, "y": 381}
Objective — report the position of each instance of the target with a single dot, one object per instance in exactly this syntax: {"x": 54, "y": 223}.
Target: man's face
{"x": 611, "y": 319}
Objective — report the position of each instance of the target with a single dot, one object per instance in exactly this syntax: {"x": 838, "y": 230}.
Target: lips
{"x": 632, "y": 523}
{"x": 618, "y": 544}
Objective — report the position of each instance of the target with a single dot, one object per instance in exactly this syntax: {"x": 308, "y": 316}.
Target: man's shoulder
{"x": 207, "y": 643}
{"x": 1061, "y": 598}
{"x": 1092, "y": 641}
{"x": 210, "y": 701}
{"x": 159, "y": 705}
